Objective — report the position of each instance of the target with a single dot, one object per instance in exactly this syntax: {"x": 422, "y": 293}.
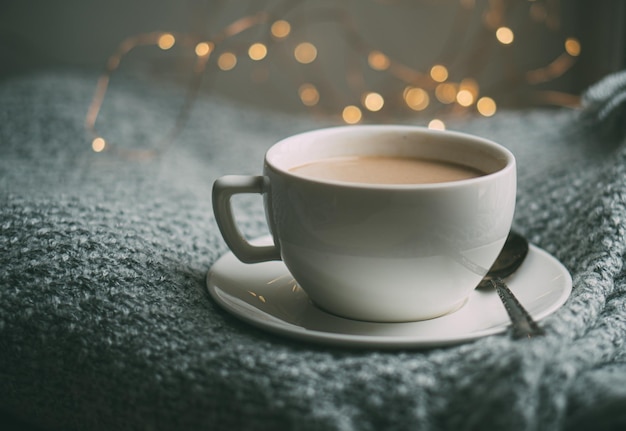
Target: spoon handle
{"x": 522, "y": 323}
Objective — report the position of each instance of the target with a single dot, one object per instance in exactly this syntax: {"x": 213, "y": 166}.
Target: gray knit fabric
{"x": 105, "y": 323}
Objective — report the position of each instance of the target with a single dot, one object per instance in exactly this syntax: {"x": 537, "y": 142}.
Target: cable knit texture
{"x": 105, "y": 323}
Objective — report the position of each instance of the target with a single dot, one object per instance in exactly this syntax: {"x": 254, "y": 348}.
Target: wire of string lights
{"x": 449, "y": 86}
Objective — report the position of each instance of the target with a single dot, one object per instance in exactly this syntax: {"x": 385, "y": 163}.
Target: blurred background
{"x": 355, "y": 60}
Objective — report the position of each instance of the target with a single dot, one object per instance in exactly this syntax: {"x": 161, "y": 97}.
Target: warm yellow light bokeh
{"x": 227, "y": 61}
{"x": 305, "y": 53}
{"x": 378, "y": 61}
{"x": 505, "y": 35}
{"x": 416, "y": 98}
{"x": 439, "y": 85}
{"x": 470, "y": 85}
{"x": 203, "y": 49}
{"x": 309, "y": 94}
{"x": 98, "y": 144}
{"x": 572, "y": 46}
{"x": 436, "y": 124}
{"x": 464, "y": 98}
{"x": 257, "y": 51}
{"x": 373, "y": 101}
{"x": 439, "y": 73}
{"x": 166, "y": 41}
{"x": 446, "y": 93}
{"x": 486, "y": 106}
{"x": 351, "y": 114}
{"x": 280, "y": 29}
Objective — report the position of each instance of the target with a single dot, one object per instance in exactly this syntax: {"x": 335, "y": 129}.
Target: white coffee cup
{"x": 379, "y": 252}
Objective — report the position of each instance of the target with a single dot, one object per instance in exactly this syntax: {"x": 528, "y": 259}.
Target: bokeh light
{"x": 305, "y": 53}
{"x": 351, "y": 114}
{"x": 373, "y": 101}
{"x": 98, "y": 144}
{"x": 464, "y": 98}
{"x": 416, "y": 98}
{"x": 280, "y": 29}
{"x": 446, "y": 93}
{"x": 439, "y": 73}
{"x": 257, "y": 51}
{"x": 309, "y": 94}
{"x": 486, "y": 106}
{"x": 572, "y": 46}
{"x": 378, "y": 61}
{"x": 166, "y": 41}
{"x": 227, "y": 61}
{"x": 203, "y": 49}
{"x": 505, "y": 35}
{"x": 430, "y": 85}
{"x": 470, "y": 85}
{"x": 436, "y": 124}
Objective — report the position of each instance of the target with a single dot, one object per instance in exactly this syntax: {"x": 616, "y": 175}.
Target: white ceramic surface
{"x": 374, "y": 251}
{"x": 266, "y": 295}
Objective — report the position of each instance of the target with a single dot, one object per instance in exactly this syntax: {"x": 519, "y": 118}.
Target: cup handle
{"x": 223, "y": 189}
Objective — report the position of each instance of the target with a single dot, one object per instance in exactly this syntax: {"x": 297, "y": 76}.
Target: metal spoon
{"x": 511, "y": 257}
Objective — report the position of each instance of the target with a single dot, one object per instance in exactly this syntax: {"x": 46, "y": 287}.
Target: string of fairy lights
{"x": 422, "y": 91}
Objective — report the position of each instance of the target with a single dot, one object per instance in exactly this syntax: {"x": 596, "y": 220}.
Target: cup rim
{"x": 506, "y": 155}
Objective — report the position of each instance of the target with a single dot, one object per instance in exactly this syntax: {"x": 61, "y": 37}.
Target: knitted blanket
{"x": 105, "y": 322}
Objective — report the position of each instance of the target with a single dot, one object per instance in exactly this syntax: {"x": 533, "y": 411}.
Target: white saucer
{"x": 265, "y": 295}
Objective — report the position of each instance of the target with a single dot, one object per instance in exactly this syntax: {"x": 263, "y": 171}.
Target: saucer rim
{"x": 295, "y": 332}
